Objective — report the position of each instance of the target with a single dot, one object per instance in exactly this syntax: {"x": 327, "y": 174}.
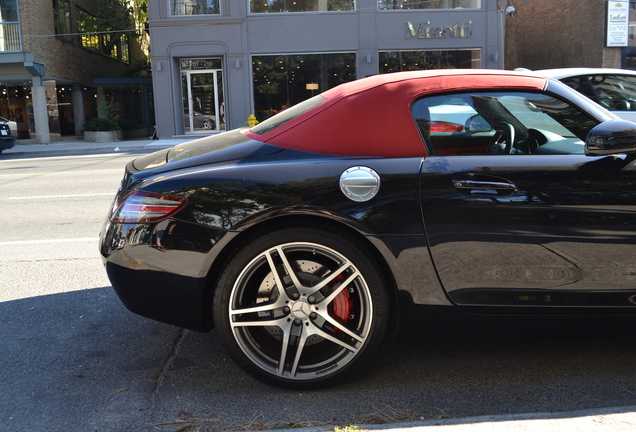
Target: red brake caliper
{"x": 342, "y": 304}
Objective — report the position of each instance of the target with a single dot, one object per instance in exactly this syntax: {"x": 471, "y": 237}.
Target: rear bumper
{"x": 165, "y": 297}
{"x": 7, "y": 143}
{"x": 161, "y": 276}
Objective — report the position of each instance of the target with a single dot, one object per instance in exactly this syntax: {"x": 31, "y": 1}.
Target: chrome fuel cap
{"x": 360, "y": 183}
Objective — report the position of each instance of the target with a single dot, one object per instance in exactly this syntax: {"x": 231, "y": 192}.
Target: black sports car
{"x": 301, "y": 238}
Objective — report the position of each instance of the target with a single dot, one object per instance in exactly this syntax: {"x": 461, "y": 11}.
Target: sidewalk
{"x": 621, "y": 419}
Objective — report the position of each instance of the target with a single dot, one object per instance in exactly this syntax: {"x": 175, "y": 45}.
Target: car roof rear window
{"x": 289, "y": 114}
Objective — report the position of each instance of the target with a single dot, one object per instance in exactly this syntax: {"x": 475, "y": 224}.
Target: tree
{"x": 116, "y": 18}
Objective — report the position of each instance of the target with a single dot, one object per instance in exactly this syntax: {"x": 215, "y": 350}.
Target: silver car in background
{"x": 614, "y": 89}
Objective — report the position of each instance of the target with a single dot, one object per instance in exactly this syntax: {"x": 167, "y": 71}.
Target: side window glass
{"x": 616, "y": 93}
{"x": 583, "y": 85}
{"x": 492, "y": 123}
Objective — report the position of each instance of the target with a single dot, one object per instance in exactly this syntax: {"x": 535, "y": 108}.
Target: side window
{"x": 583, "y": 85}
{"x": 616, "y": 93}
{"x": 492, "y": 123}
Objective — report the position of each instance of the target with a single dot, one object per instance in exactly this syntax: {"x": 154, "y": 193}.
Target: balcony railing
{"x": 10, "y": 37}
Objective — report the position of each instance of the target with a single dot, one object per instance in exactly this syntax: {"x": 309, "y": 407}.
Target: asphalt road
{"x": 72, "y": 358}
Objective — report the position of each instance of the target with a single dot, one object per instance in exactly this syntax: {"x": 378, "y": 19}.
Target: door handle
{"x": 471, "y": 187}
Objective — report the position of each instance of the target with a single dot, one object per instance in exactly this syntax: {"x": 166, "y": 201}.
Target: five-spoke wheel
{"x": 299, "y": 307}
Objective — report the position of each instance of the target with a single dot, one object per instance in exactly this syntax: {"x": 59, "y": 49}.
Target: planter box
{"x": 102, "y": 136}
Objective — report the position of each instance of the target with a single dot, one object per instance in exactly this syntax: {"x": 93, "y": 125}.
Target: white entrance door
{"x": 203, "y": 107}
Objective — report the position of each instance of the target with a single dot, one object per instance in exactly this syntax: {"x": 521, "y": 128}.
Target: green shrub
{"x": 110, "y": 119}
{"x": 98, "y": 124}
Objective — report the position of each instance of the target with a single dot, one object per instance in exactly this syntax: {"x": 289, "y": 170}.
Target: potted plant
{"x": 106, "y": 127}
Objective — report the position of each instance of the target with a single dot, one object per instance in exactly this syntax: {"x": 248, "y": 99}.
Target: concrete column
{"x": 40, "y": 112}
{"x": 79, "y": 116}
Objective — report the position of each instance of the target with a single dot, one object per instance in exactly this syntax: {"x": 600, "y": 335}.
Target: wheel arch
{"x": 299, "y": 221}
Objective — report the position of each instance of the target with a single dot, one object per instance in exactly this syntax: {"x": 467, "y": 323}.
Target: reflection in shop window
{"x": 428, "y": 4}
{"x": 281, "y": 81}
{"x": 265, "y": 6}
{"x": 194, "y": 7}
{"x": 400, "y": 61}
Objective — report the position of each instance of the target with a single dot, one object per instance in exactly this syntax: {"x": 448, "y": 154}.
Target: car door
{"x": 515, "y": 213}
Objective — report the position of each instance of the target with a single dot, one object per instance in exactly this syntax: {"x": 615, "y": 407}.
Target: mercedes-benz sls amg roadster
{"x": 301, "y": 239}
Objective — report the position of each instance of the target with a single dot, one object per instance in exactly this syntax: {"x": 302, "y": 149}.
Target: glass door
{"x": 202, "y": 89}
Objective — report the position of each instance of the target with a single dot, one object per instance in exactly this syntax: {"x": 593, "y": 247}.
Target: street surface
{"x": 72, "y": 358}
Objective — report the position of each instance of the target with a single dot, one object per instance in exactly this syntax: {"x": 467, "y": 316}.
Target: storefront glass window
{"x": 15, "y": 106}
{"x": 281, "y": 81}
{"x": 194, "y": 7}
{"x": 9, "y": 26}
{"x": 266, "y": 6}
{"x": 428, "y": 4}
{"x": 399, "y": 61}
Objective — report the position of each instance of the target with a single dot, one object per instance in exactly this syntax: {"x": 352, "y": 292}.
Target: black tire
{"x": 330, "y": 315}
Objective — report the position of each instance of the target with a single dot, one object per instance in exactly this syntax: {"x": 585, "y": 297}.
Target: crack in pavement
{"x": 164, "y": 370}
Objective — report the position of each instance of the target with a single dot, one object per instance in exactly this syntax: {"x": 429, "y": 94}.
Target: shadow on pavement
{"x": 79, "y": 361}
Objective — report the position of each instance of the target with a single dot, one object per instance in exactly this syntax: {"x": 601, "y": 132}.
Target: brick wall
{"x": 63, "y": 59}
{"x": 565, "y": 33}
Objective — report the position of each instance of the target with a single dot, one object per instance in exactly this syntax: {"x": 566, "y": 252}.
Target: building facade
{"x": 546, "y": 34}
{"x": 216, "y": 62}
{"x": 60, "y": 58}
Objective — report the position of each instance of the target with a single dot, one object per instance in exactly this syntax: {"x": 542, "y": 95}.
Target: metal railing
{"x": 10, "y": 37}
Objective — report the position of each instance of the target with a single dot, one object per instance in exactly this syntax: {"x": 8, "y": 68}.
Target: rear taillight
{"x": 442, "y": 126}
{"x": 145, "y": 207}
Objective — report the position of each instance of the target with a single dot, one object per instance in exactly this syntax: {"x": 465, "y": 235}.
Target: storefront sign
{"x": 423, "y": 30}
{"x": 617, "y": 23}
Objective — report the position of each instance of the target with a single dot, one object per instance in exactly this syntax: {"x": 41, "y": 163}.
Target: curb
{"x": 620, "y": 419}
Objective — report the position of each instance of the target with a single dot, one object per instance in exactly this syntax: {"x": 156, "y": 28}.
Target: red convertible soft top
{"x": 372, "y": 117}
